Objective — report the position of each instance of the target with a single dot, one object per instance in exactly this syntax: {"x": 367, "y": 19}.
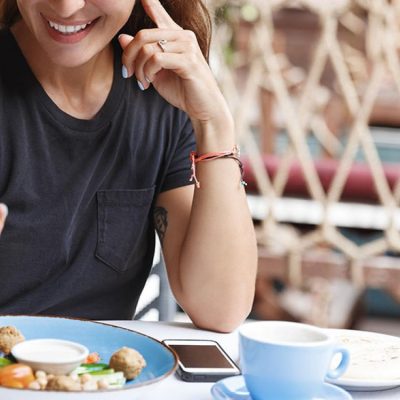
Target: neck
{"x": 79, "y": 91}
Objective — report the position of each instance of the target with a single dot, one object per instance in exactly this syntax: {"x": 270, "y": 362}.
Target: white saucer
{"x": 236, "y": 384}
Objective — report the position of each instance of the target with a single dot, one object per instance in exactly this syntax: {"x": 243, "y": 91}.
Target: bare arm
{"x": 208, "y": 238}
{"x": 209, "y": 247}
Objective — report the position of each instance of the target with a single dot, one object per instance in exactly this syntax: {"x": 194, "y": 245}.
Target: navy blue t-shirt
{"x": 79, "y": 238}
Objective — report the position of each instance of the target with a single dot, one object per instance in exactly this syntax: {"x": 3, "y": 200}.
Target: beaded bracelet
{"x": 233, "y": 154}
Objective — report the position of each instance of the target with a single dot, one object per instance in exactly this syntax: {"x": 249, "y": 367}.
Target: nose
{"x": 67, "y": 8}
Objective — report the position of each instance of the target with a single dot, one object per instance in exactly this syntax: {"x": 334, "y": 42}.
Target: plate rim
{"x": 352, "y": 384}
{"x": 138, "y": 385}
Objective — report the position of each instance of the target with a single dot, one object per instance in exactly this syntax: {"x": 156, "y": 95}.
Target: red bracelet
{"x": 196, "y": 158}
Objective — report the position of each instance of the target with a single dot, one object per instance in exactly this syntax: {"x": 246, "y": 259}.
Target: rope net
{"x": 353, "y": 63}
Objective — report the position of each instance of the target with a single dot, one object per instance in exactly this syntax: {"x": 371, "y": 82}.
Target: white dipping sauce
{"x": 50, "y": 355}
{"x": 50, "y": 352}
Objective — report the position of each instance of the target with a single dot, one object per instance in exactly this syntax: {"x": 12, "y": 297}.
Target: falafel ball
{"x": 128, "y": 361}
{"x": 9, "y": 337}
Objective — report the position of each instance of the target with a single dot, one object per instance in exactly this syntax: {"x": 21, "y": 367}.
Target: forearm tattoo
{"x": 161, "y": 222}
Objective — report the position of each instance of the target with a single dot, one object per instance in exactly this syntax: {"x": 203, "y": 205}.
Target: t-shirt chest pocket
{"x": 121, "y": 218}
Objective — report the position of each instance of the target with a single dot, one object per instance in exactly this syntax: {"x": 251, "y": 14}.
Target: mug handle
{"x": 344, "y": 363}
{"x": 221, "y": 391}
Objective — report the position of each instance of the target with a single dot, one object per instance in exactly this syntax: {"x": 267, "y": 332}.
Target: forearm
{"x": 219, "y": 255}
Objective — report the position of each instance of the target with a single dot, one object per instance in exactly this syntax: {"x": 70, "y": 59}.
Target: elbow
{"x": 218, "y": 326}
{"x": 220, "y": 322}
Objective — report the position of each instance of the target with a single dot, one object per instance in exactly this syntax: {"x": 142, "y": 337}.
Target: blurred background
{"x": 314, "y": 87}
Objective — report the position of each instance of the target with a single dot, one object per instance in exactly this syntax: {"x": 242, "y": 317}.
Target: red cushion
{"x": 359, "y": 185}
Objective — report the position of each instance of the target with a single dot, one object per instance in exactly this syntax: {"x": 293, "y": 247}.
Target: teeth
{"x": 67, "y": 29}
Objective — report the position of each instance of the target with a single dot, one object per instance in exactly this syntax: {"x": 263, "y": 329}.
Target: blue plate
{"x": 103, "y": 339}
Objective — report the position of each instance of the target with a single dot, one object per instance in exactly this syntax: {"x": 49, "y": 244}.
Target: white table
{"x": 179, "y": 390}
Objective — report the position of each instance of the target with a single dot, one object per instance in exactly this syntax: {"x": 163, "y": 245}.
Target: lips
{"x": 69, "y": 33}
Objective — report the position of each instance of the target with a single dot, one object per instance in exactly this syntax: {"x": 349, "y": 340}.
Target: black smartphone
{"x": 202, "y": 360}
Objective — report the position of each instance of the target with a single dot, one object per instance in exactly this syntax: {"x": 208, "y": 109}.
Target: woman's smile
{"x": 71, "y": 32}
{"x": 60, "y": 30}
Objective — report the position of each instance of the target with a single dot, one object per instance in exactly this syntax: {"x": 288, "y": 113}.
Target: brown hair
{"x": 8, "y": 12}
{"x": 189, "y": 14}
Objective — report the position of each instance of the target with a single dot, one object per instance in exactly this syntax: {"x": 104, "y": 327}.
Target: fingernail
{"x": 140, "y": 84}
{"x": 4, "y": 208}
{"x": 147, "y": 79}
{"x": 124, "y": 34}
{"x": 125, "y": 73}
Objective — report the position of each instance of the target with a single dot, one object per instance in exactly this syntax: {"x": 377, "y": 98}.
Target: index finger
{"x": 158, "y": 14}
{"x": 3, "y": 215}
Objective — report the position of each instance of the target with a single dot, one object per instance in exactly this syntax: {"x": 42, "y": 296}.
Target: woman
{"x": 101, "y": 103}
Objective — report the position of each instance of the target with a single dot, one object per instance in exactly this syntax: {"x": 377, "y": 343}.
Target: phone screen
{"x": 208, "y": 356}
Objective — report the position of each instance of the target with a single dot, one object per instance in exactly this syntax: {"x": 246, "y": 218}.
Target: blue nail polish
{"x": 141, "y": 87}
{"x": 124, "y": 72}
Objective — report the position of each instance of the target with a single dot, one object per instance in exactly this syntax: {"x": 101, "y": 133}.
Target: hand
{"x": 3, "y": 215}
{"x": 180, "y": 74}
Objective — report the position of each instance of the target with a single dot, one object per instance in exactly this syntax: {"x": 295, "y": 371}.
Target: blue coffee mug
{"x": 286, "y": 360}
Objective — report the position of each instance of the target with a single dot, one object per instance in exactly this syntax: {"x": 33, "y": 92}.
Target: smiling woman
{"x": 107, "y": 111}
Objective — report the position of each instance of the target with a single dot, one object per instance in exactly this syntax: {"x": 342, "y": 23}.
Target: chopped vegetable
{"x": 90, "y": 368}
{"x": 103, "y": 372}
{"x": 13, "y": 383}
{"x": 4, "y": 362}
{"x": 16, "y": 376}
{"x": 92, "y": 358}
{"x": 114, "y": 380}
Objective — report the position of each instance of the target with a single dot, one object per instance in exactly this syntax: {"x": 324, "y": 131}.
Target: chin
{"x": 70, "y": 60}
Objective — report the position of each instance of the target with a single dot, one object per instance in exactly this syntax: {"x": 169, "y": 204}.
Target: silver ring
{"x": 161, "y": 44}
